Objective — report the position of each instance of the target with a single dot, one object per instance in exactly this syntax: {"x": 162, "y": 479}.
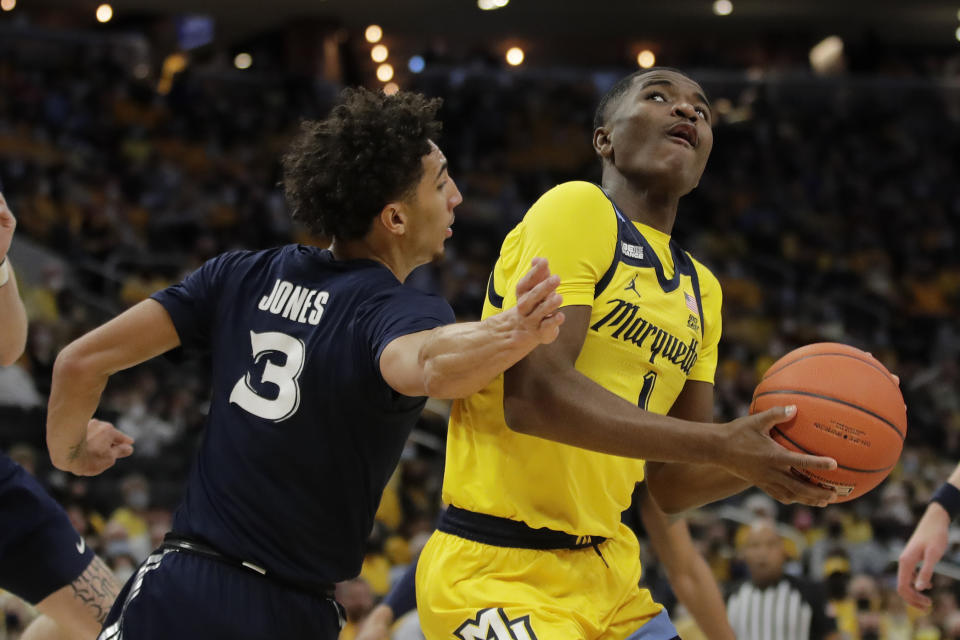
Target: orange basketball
{"x": 849, "y": 407}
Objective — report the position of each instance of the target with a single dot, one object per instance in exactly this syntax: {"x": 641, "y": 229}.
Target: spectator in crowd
{"x": 771, "y": 605}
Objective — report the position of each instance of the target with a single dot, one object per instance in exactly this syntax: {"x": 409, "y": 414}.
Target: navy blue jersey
{"x": 303, "y": 432}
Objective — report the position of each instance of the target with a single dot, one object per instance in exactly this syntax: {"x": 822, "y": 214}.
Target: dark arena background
{"x": 141, "y": 138}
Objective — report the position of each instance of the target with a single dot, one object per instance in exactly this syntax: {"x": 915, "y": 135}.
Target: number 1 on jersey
{"x": 285, "y": 377}
{"x": 649, "y": 379}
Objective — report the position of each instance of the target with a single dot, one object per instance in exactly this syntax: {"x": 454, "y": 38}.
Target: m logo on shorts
{"x": 493, "y": 624}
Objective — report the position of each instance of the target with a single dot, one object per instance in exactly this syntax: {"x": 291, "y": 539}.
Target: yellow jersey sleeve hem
{"x": 573, "y": 226}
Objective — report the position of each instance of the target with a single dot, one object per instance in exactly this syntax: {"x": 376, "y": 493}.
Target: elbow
{"x": 670, "y": 502}
{"x": 433, "y": 379}
{"x": 69, "y": 365}
{"x": 437, "y": 382}
{"x": 523, "y": 412}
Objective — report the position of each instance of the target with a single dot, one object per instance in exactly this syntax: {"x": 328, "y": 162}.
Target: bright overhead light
{"x": 379, "y": 53}
{"x": 723, "y": 7}
{"x": 373, "y": 33}
{"x": 391, "y": 88}
{"x": 385, "y": 72}
{"x": 104, "y": 13}
{"x": 8, "y": 5}
{"x": 515, "y": 56}
{"x": 646, "y": 59}
{"x": 958, "y": 33}
{"x": 826, "y": 56}
{"x": 500, "y": 4}
{"x": 416, "y": 64}
{"x": 243, "y": 61}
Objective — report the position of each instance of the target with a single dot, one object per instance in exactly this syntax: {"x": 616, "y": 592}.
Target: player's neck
{"x": 364, "y": 249}
{"x": 643, "y": 203}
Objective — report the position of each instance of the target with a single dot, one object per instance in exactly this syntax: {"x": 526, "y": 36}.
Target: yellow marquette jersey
{"x": 655, "y": 324}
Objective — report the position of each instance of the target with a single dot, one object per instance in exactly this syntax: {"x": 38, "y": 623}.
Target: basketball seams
{"x": 837, "y": 400}
{"x": 886, "y": 374}
{"x": 839, "y": 466}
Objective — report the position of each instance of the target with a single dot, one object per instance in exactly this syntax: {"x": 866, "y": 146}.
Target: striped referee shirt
{"x": 790, "y": 609}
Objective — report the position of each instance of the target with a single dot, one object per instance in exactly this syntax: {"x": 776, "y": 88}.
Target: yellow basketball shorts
{"x": 468, "y": 590}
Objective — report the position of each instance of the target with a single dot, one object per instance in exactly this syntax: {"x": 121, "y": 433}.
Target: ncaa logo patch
{"x": 493, "y": 624}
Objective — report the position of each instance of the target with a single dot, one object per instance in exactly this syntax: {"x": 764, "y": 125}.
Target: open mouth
{"x": 684, "y": 131}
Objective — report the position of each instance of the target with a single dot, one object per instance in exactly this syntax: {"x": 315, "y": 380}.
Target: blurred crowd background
{"x": 830, "y": 211}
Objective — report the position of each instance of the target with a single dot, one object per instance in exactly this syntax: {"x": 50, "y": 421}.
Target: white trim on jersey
{"x": 115, "y": 631}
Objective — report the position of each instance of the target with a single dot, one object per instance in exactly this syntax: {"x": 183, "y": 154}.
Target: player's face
{"x": 431, "y": 207}
{"x": 662, "y": 128}
{"x": 764, "y": 555}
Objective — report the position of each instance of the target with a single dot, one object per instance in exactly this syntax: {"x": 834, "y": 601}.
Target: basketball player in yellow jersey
{"x": 542, "y": 461}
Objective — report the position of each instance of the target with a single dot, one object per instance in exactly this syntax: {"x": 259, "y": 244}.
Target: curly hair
{"x": 339, "y": 173}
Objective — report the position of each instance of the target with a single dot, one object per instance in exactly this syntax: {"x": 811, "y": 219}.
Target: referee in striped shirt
{"x": 772, "y": 605}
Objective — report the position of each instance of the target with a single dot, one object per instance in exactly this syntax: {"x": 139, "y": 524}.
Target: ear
{"x": 393, "y": 218}
{"x": 602, "y": 143}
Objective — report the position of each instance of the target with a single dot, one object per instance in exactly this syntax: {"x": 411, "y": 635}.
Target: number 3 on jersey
{"x": 284, "y": 377}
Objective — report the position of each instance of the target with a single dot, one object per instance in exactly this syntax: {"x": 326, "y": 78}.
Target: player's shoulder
{"x": 239, "y": 258}
{"x": 575, "y": 194}
{"x": 400, "y": 299}
{"x": 578, "y": 210}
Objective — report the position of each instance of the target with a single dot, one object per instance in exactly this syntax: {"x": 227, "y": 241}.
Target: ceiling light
{"x": 104, "y": 13}
{"x": 723, "y": 7}
{"x": 379, "y": 53}
{"x": 385, "y": 72}
{"x": 515, "y": 56}
{"x": 373, "y": 33}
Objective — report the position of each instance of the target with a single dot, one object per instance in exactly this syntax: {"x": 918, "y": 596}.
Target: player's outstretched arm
{"x": 77, "y": 443}
{"x": 688, "y": 572}
{"x": 927, "y": 546}
{"x": 456, "y": 360}
{"x": 545, "y": 396}
{"x": 13, "y": 317}
{"x": 681, "y": 486}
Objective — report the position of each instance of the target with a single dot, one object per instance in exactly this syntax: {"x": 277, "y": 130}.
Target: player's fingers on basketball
{"x": 537, "y": 272}
{"x": 766, "y": 420}
{"x": 807, "y": 461}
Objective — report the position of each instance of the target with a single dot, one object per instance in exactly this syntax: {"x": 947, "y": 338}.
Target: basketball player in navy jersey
{"x": 42, "y": 558}
{"x": 321, "y": 361}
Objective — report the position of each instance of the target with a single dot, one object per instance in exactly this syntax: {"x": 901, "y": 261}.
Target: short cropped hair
{"x": 610, "y": 99}
{"x": 340, "y": 172}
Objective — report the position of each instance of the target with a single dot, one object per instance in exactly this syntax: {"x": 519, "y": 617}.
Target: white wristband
{"x": 4, "y": 272}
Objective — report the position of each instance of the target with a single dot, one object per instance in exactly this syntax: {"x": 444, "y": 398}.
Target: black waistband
{"x": 178, "y": 542}
{"x": 501, "y": 532}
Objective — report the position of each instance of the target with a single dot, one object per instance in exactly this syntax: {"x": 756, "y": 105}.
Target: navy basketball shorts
{"x": 40, "y": 551}
{"x": 176, "y": 595}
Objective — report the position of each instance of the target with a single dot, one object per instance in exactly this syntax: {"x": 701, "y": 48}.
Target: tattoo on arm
{"x": 96, "y": 588}
{"x": 77, "y": 449}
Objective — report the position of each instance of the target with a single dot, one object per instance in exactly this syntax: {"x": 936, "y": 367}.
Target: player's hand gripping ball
{"x": 849, "y": 407}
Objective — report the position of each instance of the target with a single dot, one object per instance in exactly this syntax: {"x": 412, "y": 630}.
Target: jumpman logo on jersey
{"x": 632, "y": 286}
